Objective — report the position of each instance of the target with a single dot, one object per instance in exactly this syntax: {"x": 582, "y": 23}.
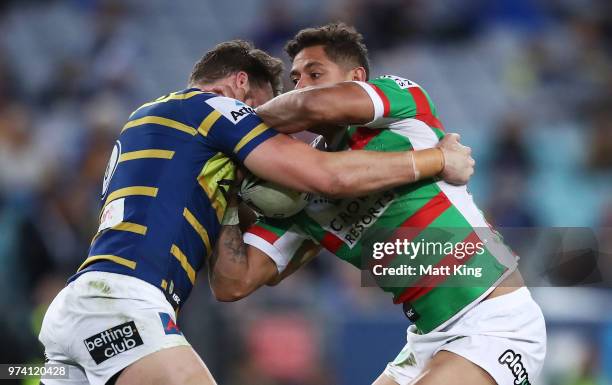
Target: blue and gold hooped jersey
{"x": 163, "y": 190}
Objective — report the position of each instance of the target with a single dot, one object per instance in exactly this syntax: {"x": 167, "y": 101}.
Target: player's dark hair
{"x": 234, "y": 56}
{"x": 342, "y": 44}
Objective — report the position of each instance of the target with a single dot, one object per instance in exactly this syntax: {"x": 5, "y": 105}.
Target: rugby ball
{"x": 271, "y": 200}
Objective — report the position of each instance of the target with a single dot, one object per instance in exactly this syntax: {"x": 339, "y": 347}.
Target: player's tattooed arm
{"x": 305, "y": 254}
{"x": 235, "y": 269}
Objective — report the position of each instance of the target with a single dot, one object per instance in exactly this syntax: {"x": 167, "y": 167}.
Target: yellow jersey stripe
{"x": 113, "y": 258}
{"x": 182, "y": 258}
{"x": 208, "y": 122}
{"x": 172, "y": 96}
{"x": 248, "y": 137}
{"x": 131, "y": 227}
{"x": 129, "y": 191}
{"x": 162, "y": 122}
{"x": 197, "y": 226}
{"x": 146, "y": 154}
{"x": 217, "y": 202}
{"x": 164, "y": 284}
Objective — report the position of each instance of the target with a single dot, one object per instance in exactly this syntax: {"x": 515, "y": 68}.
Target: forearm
{"x": 309, "y": 250}
{"x": 315, "y": 107}
{"x": 232, "y": 274}
{"x": 363, "y": 172}
{"x": 287, "y": 113}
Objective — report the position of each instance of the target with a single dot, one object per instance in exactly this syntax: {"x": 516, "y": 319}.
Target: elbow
{"x": 230, "y": 292}
{"x": 227, "y": 295}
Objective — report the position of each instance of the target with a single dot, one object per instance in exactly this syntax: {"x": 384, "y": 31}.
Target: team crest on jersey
{"x": 401, "y": 82}
{"x": 111, "y": 167}
{"x": 112, "y": 215}
{"x": 234, "y": 110}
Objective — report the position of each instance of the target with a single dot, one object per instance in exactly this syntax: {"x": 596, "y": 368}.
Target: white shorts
{"x": 505, "y": 335}
{"x": 102, "y": 322}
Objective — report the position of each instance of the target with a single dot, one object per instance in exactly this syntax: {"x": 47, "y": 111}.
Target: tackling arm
{"x": 237, "y": 269}
{"x": 316, "y": 107}
{"x": 291, "y": 163}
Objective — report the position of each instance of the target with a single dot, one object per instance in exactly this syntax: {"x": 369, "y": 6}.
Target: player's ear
{"x": 359, "y": 74}
{"x": 242, "y": 80}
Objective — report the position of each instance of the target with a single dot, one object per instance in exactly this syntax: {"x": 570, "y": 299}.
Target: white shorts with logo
{"x": 102, "y": 322}
{"x": 505, "y": 336}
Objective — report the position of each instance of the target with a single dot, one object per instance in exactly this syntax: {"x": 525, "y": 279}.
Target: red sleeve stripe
{"x": 423, "y": 108}
{"x": 384, "y": 98}
{"x": 422, "y": 104}
{"x": 263, "y": 233}
{"x": 428, "y": 282}
{"x": 331, "y": 242}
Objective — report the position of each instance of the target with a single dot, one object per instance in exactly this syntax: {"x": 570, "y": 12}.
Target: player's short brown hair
{"x": 342, "y": 44}
{"x": 234, "y": 56}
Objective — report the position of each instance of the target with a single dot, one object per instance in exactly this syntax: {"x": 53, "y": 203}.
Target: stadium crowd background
{"x": 528, "y": 84}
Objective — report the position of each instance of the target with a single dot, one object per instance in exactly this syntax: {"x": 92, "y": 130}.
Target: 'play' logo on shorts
{"x": 514, "y": 363}
{"x": 113, "y": 341}
{"x": 168, "y": 324}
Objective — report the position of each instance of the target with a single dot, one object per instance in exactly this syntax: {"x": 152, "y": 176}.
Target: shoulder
{"x": 394, "y": 80}
{"x": 232, "y": 109}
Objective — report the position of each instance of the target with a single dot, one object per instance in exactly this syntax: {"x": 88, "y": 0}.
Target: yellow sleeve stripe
{"x": 208, "y": 122}
{"x": 182, "y": 258}
{"x": 248, "y": 137}
{"x": 131, "y": 227}
{"x": 130, "y": 191}
{"x": 113, "y": 258}
{"x": 172, "y": 96}
{"x": 197, "y": 226}
{"x": 162, "y": 122}
{"x": 146, "y": 154}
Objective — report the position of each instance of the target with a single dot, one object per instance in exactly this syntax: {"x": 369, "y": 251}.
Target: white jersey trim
{"x": 272, "y": 251}
{"x": 379, "y": 108}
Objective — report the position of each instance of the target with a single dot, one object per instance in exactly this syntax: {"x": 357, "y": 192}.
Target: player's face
{"x": 258, "y": 95}
{"x": 312, "y": 67}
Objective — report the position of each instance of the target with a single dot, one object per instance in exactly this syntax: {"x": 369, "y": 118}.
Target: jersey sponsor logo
{"x": 401, "y": 82}
{"x": 234, "y": 110}
{"x": 513, "y": 361}
{"x": 350, "y": 218}
{"x": 170, "y": 327}
{"x": 111, "y": 167}
{"x": 113, "y": 341}
{"x": 112, "y": 215}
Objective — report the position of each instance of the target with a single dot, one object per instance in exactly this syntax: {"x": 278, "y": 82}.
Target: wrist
{"x": 427, "y": 163}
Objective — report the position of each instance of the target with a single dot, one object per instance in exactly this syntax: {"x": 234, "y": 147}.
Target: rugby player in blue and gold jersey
{"x": 163, "y": 204}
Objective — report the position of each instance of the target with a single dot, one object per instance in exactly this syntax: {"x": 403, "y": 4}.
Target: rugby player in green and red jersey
{"x": 163, "y": 205}
{"x": 467, "y": 328}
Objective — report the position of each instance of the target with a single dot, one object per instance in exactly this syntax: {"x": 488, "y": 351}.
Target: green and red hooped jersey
{"x": 429, "y": 211}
